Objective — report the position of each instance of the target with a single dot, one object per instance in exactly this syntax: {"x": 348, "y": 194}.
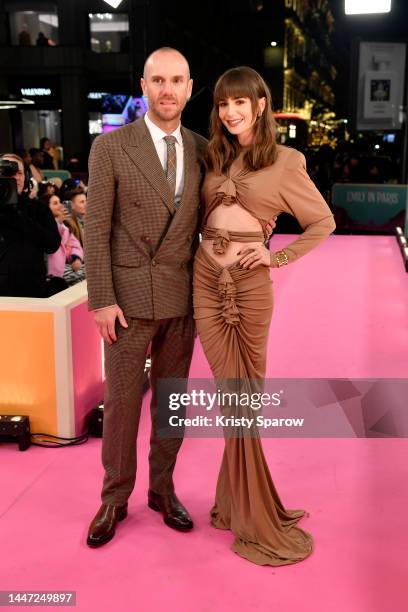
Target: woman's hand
{"x": 255, "y": 256}
{"x": 76, "y": 265}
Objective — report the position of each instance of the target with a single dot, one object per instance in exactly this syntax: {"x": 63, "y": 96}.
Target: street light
{"x": 364, "y": 7}
{"x": 113, "y": 3}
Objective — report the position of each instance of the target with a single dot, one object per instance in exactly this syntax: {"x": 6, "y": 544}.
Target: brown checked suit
{"x": 139, "y": 252}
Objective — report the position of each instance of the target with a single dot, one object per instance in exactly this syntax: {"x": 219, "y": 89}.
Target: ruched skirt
{"x": 233, "y": 309}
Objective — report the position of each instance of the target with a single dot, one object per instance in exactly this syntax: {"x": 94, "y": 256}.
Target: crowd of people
{"x": 46, "y": 157}
{"x": 42, "y": 229}
{"x": 66, "y": 202}
{"x": 328, "y": 166}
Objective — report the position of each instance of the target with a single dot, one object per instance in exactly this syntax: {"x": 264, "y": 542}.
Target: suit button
{"x": 153, "y": 262}
{"x": 145, "y": 239}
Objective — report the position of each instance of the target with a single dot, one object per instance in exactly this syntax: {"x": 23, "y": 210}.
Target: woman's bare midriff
{"x": 233, "y": 218}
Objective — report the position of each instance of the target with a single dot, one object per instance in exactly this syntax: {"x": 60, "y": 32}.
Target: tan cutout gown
{"x": 233, "y": 309}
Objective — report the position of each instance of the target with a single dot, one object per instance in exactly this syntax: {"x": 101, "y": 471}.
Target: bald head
{"x": 165, "y": 53}
{"x": 167, "y": 86}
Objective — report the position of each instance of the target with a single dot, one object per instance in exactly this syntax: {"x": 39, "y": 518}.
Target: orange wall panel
{"x": 27, "y": 368}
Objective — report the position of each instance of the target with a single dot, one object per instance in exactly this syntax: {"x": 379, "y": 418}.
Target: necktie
{"x": 171, "y": 168}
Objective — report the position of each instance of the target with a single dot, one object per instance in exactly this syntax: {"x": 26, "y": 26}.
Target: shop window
{"x": 34, "y": 27}
{"x": 109, "y": 32}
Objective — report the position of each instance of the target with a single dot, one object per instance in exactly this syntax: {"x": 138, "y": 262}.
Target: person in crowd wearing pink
{"x": 70, "y": 255}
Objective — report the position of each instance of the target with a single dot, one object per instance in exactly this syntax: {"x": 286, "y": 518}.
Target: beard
{"x": 166, "y": 114}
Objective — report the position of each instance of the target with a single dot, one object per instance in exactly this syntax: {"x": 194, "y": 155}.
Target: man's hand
{"x": 105, "y": 319}
{"x": 270, "y": 226}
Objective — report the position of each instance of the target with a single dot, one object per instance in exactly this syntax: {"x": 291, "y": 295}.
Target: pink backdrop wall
{"x": 87, "y": 365}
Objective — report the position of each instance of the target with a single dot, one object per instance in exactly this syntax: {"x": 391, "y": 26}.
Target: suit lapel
{"x": 143, "y": 154}
{"x": 190, "y": 155}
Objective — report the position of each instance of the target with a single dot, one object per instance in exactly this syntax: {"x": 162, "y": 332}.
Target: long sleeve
{"x": 97, "y": 235}
{"x": 56, "y": 261}
{"x": 75, "y": 247}
{"x": 33, "y": 221}
{"x": 300, "y": 198}
{"x": 46, "y": 231}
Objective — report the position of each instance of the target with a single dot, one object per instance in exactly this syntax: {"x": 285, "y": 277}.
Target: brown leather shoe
{"x": 102, "y": 528}
{"x": 174, "y": 513}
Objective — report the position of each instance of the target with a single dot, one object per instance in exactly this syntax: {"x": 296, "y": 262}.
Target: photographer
{"x": 27, "y": 232}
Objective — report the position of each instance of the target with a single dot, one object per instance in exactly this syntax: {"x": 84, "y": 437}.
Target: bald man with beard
{"x": 140, "y": 238}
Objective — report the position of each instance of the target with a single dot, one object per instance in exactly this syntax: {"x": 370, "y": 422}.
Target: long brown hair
{"x": 223, "y": 147}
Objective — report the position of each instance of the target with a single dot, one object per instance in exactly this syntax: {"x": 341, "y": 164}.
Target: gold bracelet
{"x": 281, "y": 258}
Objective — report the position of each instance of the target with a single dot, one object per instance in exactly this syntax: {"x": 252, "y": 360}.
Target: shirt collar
{"x": 158, "y": 134}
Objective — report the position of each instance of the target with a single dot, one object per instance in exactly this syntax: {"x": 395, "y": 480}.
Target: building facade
{"x": 64, "y": 56}
{"x": 300, "y": 63}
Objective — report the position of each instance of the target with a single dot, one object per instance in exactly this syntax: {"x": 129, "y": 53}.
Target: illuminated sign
{"x": 36, "y": 91}
{"x": 97, "y": 95}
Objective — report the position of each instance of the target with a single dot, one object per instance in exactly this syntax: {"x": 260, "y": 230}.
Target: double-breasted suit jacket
{"x": 138, "y": 248}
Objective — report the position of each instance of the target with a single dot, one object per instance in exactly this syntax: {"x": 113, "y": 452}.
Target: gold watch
{"x": 281, "y": 258}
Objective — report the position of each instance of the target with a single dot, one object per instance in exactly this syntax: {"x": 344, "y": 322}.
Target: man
{"x": 76, "y": 220}
{"x": 27, "y": 232}
{"x": 36, "y": 163}
{"x": 140, "y": 237}
{"x": 48, "y": 153}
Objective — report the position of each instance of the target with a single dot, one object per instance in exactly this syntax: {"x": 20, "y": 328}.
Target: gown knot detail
{"x": 227, "y": 292}
{"x": 227, "y": 193}
{"x": 221, "y": 241}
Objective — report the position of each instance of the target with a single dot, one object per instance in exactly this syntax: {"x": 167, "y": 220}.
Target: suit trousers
{"x": 172, "y": 343}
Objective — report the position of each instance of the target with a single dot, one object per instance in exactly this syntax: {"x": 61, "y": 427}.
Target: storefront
{"x": 102, "y": 96}
{"x": 43, "y": 118}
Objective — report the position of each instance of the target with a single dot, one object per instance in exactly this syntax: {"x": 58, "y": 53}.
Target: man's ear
{"x": 143, "y": 86}
{"x": 189, "y": 89}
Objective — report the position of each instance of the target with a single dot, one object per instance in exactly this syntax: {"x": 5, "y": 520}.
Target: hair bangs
{"x": 234, "y": 85}
{"x": 223, "y": 147}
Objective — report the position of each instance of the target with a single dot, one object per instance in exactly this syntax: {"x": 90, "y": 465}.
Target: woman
{"x": 249, "y": 180}
{"x": 67, "y": 262}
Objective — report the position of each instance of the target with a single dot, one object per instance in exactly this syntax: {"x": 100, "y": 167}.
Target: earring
{"x": 260, "y": 114}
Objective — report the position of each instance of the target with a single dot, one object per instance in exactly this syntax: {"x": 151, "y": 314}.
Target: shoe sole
{"x": 93, "y": 544}
{"x": 156, "y": 508}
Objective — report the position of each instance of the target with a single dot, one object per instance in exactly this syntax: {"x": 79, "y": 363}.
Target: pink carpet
{"x": 342, "y": 311}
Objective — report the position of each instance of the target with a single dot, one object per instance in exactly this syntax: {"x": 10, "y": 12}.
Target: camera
{"x": 8, "y": 168}
{"x": 8, "y": 185}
